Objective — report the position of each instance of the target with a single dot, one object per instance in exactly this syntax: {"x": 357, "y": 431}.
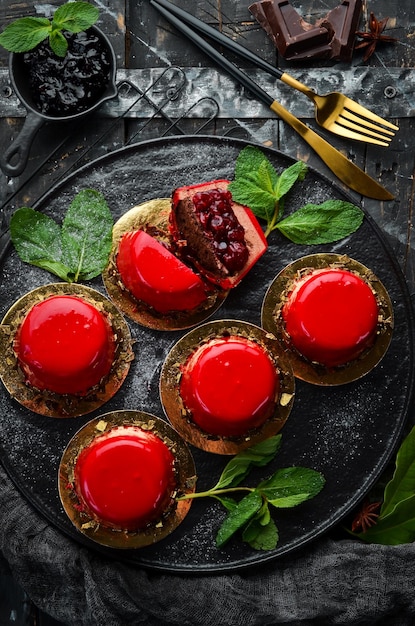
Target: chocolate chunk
{"x": 329, "y": 38}
{"x": 343, "y": 21}
{"x": 292, "y": 35}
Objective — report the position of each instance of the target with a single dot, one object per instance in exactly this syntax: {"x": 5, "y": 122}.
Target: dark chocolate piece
{"x": 292, "y": 35}
{"x": 343, "y": 20}
{"x": 329, "y": 38}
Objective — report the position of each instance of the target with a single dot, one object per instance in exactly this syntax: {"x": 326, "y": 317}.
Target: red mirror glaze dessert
{"x": 331, "y": 316}
{"x": 229, "y": 386}
{"x": 65, "y": 345}
{"x": 222, "y": 238}
{"x": 155, "y": 276}
{"x": 125, "y": 478}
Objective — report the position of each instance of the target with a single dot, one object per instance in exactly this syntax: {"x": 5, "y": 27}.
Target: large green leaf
{"x": 397, "y": 527}
{"x": 402, "y": 484}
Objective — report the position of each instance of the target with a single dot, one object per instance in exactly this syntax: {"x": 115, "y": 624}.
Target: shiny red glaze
{"x": 155, "y": 276}
{"x": 331, "y": 316}
{"x": 126, "y": 479}
{"x": 229, "y": 385}
{"x": 65, "y": 345}
{"x": 254, "y": 235}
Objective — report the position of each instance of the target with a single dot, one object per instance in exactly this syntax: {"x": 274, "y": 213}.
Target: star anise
{"x": 366, "y": 517}
{"x": 372, "y": 37}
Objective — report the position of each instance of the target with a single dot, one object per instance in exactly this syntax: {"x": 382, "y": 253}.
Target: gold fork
{"x": 334, "y": 111}
{"x": 343, "y": 116}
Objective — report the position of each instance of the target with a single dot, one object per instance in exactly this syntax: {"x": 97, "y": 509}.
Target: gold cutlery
{"x": 345, "y": 170}
{"x": 334, "y": 111}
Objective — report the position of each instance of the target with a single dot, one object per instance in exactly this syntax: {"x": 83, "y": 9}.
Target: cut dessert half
{"x": 220, "y": 237}
{"x": 148, "y": 281}
{"x": 155, "y": 276}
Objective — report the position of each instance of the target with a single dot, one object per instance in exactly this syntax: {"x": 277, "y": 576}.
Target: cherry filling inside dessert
{"x": 125, "y": 478}
{"x": 331, "y": 316}
{"x": 214, "y": 211}
{"x": 229, "y": 386}
{"x": 65, "y": 345}
{"x": 155, "y": 276}
{"x": 219, "y": 236}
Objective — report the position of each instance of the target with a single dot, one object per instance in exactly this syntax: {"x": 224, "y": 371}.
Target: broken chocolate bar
{"x": 331, "y": 37}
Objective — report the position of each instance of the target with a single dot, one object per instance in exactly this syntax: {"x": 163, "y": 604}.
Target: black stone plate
{"x": 348, "y": 433}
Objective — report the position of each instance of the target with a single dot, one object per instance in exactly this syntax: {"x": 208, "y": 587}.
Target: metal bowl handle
{"x": 13, "y": 161}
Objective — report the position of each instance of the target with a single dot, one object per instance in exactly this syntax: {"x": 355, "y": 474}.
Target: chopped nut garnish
{"x": 285, "y": 399}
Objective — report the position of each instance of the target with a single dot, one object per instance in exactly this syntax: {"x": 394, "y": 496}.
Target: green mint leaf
{"x": 238, "y": 517}
{"x": 248, "y": 192}
{"x": 87, "y": 235}
{"x": 258, "y": 186}
{"x": 77, "y": 251}
{"x": 292, "y": 485}
{"x": 263, "y": 516}
{"x": 261, "y": 536}
{"x": 289, "y": 177}
{"x": 251, "y": 515}
{"x": 37, "y": 239}
{"x": 75, "y": 16}
{"x": 324, "y": 223}
{"x": 228, "y": 503}
{"x": 401, "y": 486}
{"x": 239, "y": 466}
{"x": 288, "y": 502}
{"x": 58, "y": 43}
{"x": 55, "y": 267}
{"x": 25, "y": 34}
{"x": 249, "y": 160}
{"x": 255, "y": 179}
{"x": 395, "y": 528}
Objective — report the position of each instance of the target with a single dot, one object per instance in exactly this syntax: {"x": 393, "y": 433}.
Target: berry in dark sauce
{"x": 68, "y": 85}
{"x": 214, "y": 211}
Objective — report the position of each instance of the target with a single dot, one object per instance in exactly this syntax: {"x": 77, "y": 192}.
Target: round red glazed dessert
{"x": 331, "y": 316}
{"x": 64, "y": 345}
{"x": 125, "y": 478}
{"x": 155, "y": 276}
{"x": 229, "y": 385}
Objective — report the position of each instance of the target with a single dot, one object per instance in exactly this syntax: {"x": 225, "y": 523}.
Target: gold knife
{"x": 346, "y": 171}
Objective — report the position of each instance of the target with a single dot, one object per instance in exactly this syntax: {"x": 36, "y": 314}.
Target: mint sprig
{"x": 251, "y": 515}
{"x": 396, "y": 522}
{"x": 258, "y": 185}
{"x": 77, "y": 250}
{"x": 26, "y": 33}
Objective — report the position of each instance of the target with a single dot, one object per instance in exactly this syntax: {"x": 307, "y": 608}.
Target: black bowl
{"x": 14, "y": 159}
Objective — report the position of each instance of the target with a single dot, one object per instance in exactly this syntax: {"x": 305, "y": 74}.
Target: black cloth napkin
{"x": 328, "y": 583}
